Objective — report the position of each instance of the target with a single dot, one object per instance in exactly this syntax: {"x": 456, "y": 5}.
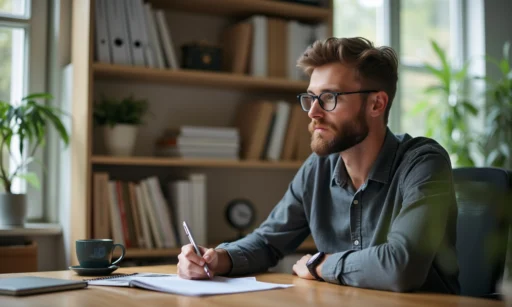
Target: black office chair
{"x": 483, "y": 199}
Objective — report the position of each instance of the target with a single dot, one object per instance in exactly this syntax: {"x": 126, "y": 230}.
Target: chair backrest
{"x": 482, "y": 229}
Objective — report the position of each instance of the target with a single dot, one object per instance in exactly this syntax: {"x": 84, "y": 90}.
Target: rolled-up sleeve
{"x": 416, "y": 233}
{"x": 280, "y": 234}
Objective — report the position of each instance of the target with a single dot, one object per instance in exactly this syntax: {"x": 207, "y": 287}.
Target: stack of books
{"x": 200, "y": 142}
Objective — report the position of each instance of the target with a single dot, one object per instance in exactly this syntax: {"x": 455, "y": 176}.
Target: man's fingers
{"x": 210, "y": 255}
{"x": 189, "y": 252}
{"x": 294, "y": 269}
{"x": 190, "y": 270}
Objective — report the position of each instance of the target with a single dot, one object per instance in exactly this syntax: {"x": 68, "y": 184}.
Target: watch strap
{"x": 314, "y": 264}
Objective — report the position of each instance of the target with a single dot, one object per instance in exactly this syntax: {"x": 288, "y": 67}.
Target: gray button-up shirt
{"x": 396, "y": 232}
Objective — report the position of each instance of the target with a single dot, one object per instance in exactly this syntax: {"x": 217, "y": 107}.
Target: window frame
{"x": 457, "y": 55}
{"x": 35, "y": 24}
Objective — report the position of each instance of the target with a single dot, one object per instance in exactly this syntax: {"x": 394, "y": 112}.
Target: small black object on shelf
{"x": 202, "y": 56}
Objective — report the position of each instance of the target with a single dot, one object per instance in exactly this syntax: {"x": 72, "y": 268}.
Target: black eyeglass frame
{"x": 336, "y": 94}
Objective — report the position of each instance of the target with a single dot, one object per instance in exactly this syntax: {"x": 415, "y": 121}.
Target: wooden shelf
{"x": 306, "y": 247}
{"x": 208, "y": 163}
{"x": 198, "y": 78}
{"x": 239, "y": 8}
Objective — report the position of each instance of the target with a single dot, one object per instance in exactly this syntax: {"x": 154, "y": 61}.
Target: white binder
{"x": 259, "y": 52}
{"x": 118, "y": 35}
{"x": 135, "y": 33}
{"x": 154, "y": 40}
{"x": 166, "y": 40}
{"x": 101, "y": 31}
{"x": 149, "y": 53}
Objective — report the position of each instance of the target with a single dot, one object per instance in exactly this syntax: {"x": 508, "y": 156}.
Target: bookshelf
{"x": 263, "y": 181}
{"x": 194, "y": 77}
{"x": 206, "y": 163}
{"x": 248, "y": 7}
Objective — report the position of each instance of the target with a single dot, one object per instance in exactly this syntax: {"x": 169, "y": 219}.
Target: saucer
{"x": 93, "y": 271}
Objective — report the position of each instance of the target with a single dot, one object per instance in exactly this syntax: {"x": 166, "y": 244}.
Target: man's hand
{"x": 301, "y": 269}
{"x": 190, "y": 265}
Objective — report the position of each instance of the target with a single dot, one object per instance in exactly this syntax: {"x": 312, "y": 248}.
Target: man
{"x": 381, "y": 208}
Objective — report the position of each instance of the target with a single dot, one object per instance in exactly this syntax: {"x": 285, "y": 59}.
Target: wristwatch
{"x": 313, "y": 263}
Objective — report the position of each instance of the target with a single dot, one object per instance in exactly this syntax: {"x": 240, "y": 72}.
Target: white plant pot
{"x": 13, "y": 209}
{"x": 120, "y": 139}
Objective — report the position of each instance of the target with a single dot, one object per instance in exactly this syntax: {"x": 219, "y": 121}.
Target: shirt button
{"x": 356, "y": 242}
{"x": 356, "y": 202}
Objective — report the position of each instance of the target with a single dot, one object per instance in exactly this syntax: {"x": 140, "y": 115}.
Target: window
{"x": 359, "y": 18}
{"x": 420, "y": 22}
{"x": 22, "y": 64}
{"x": 409, "y": 32}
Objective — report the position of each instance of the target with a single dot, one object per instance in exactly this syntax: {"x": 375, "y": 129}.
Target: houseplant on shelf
{"x": 448, "y": 110}
{"x": 120, "y": 120}
{"x": 25, "y": 123}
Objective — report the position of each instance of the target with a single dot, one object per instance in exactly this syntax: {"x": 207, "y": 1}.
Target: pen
{"x": 191, "y": 239}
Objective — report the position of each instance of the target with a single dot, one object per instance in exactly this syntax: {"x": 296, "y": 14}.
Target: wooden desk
{"x": 305, "y": 293}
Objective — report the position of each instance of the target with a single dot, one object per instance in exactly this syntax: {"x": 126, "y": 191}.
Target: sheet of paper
{"x": 219, "y": 285}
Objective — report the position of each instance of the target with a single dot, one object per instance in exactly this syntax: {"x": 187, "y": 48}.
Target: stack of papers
{"x": 171, "y": 283}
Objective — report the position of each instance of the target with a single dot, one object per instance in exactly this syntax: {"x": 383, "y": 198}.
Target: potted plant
{"x": 120, "y": 120}
{"x": 448, "y": 110}
{"x": 25, "y": 123}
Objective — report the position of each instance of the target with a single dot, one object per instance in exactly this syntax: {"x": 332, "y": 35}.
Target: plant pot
{"x": 120, "y": 139}
{"x": 13, "y": 209}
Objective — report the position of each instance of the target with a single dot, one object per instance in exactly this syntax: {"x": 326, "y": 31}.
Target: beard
{"x": 348, "y": 135}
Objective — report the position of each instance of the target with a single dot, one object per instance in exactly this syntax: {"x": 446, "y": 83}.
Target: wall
{"x": 498, "y": 29}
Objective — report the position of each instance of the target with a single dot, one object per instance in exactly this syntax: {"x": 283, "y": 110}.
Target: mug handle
{"x": 123, "y": 251}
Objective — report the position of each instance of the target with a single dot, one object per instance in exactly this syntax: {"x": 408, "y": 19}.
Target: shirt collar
{"x": 381, "y": 168}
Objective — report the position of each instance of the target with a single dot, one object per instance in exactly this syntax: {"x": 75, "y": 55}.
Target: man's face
{"x": 346, "y": 125}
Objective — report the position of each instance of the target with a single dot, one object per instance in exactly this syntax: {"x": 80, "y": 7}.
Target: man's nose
{"x": 316, "y": 110}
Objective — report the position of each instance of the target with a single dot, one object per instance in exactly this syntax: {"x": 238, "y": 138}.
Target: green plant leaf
{"x": 30, "y": 178}
{"x": 439, "y": 74}
{"x": 433, "y": 89}
{"x": 505, "y": 150}
{"x": 44, "y": 96}
{"x": 57, "y": 123}
{"x": 468, "y": 106}
{"x": 419, "y": 107}
{"x": 445, "y": 67}
{"x": 462, "y": 74}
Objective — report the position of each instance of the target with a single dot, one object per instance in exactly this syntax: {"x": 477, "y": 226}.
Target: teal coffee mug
{"x": 97, "y": 253}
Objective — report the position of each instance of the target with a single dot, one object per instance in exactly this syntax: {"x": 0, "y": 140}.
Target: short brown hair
{"x": 376, "y": 67}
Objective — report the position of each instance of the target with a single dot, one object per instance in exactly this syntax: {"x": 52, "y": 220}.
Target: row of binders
{"x": 200, "y": 142}
{"x": 130, "y": 32}
{"x": 138, "y": 215}
{"x": 273, "y": 131}
{"x": 266, "y": 46}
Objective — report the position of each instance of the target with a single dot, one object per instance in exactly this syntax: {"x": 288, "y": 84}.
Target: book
{"x": 172, "y": 283}
{"x": 33, "y": 285}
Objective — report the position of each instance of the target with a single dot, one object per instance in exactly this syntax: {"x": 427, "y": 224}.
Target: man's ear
{"x": 379, "y": 103}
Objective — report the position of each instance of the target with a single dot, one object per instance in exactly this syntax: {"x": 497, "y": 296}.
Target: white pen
{"x": 191, "y": 239}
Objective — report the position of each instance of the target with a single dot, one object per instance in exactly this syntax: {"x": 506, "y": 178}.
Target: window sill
{"x": 31, "y": 229}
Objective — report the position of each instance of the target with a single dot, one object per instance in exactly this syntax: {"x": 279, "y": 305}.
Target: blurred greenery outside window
{"x": 22, "y": 57}
{"x": 418, "y": 22}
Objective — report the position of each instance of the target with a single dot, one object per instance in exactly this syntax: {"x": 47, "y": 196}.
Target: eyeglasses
{"x": 327, "y": 100}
